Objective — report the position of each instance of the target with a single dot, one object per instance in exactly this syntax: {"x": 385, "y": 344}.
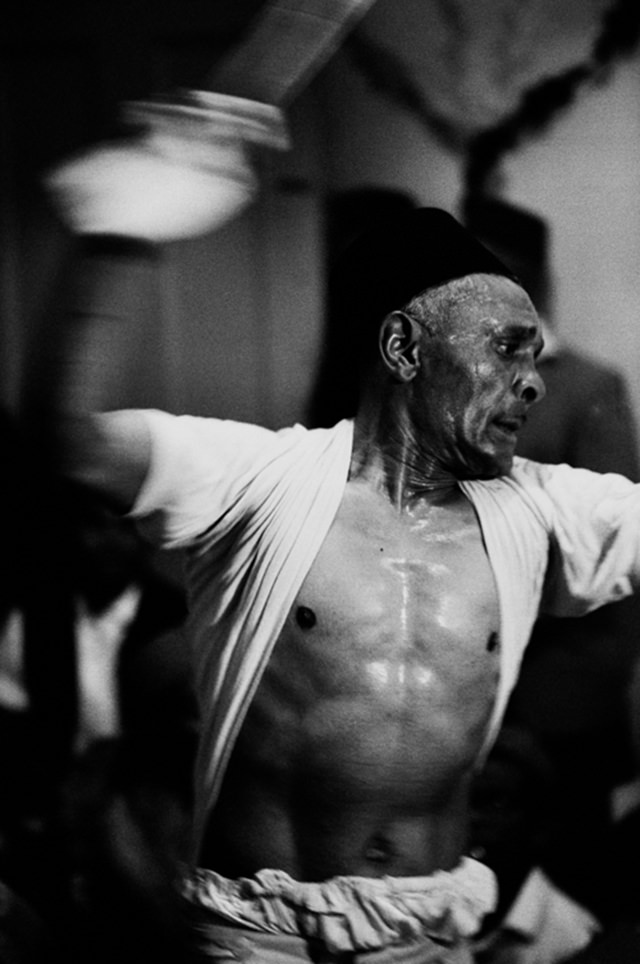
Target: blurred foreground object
{"x": 187, "y": 169}
{"x": 288, "y": 42}
{"x": 186, "y": 173}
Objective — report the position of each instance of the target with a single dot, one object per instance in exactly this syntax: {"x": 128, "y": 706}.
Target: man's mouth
{"x": 509, "y": 425}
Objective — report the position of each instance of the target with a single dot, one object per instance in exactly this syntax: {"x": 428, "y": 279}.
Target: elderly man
{"x": 360, "y": 596}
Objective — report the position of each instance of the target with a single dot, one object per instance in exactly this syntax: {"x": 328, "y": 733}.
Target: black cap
{"x": 385, "y": 267}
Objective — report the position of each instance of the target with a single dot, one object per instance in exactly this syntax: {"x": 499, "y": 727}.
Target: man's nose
{"x": 530, "y": 386}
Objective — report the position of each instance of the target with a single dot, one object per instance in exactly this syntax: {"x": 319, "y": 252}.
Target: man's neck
{"x": 388, "y": 456}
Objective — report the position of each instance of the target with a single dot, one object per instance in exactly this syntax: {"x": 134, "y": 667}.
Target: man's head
{"x": 447, "y": 325}
{"x": 466, "y": 352}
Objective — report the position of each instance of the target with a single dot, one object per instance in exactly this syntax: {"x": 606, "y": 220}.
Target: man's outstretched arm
{"x": 188, "y": 171}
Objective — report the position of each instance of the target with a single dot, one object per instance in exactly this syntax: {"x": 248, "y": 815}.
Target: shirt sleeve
{"x": 199, "y": 467}
{"x": 594, "y": 528}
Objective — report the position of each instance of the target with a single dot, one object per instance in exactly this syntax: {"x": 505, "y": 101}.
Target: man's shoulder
{"x": 216, "y": 445}
{"x": 569, "y": 492}
{"x": 525, "y": 474}
{"x": 535, "y": 486}
{"x": 557, "y": 481}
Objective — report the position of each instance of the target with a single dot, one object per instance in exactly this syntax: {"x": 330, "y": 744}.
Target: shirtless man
{"x": 379, "y": 691}
{"x": 354, "y": 650}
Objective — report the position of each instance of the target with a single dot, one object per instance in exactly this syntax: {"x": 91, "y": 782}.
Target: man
{"x": 360, "y": 596}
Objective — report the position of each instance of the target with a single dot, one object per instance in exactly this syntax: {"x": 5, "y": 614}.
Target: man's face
{"x": 478, "y": 377}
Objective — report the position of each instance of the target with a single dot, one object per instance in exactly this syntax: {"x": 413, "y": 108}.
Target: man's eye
{"x": 506, "y": 348}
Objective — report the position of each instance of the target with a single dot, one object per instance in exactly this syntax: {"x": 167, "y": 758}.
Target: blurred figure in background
{"x": 534, "y": 921}
{"x": 93, "y": 601}
{"x": 620, "y": 941}
{"x": 625, "y": 842}
{"x": 82, "y": 609}
{"x": 128, "y": 805}
{"x": 24, "y": 936}
{"x": 571, "y": 689}
{"x": 15, "y": 732}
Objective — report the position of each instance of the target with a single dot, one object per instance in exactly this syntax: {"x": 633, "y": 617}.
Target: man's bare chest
{"x": 376, "y": 698}
{"x": 413, "y": 590}
{"x": 394, "y": 633}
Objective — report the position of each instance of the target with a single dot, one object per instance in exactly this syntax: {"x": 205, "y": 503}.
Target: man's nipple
{"x": 305, "y": 617}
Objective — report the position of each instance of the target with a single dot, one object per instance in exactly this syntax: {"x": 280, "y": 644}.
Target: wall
{"x": 584, "y": 177}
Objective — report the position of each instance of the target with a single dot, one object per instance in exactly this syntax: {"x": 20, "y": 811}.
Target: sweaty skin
{"x": 356, "y": 754}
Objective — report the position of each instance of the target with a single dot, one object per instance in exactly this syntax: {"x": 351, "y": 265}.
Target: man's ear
{"x": 400, "y": 337}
